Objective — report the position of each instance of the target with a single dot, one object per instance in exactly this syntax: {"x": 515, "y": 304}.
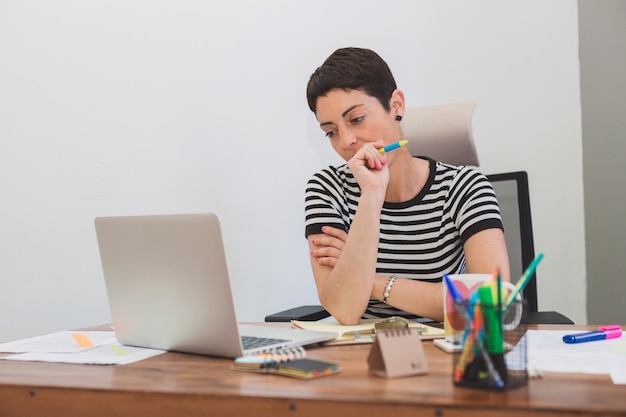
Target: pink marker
{"x": 603, "y": 333}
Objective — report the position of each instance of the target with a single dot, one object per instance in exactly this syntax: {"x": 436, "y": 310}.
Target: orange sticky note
{"x": 83, "y": 340}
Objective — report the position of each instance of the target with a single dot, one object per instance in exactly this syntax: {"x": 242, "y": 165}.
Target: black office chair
{"x": 444, "y": 133}
{"x": 513, "y": 196}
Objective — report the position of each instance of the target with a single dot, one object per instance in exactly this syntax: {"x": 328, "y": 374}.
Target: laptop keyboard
{"x": 253, "y": 342}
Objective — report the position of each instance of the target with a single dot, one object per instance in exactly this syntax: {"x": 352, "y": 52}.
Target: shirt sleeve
{"x": 324, "y": 203}
{"x": 474, "y": 204}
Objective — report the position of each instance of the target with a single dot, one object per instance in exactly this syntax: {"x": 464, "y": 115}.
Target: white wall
{"x": 140, "y": 106}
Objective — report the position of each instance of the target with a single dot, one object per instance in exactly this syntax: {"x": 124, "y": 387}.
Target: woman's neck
{"x": 407, "y": 178}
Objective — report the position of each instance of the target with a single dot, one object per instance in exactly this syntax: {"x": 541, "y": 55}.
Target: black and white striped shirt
{"x": 419, "y": 239}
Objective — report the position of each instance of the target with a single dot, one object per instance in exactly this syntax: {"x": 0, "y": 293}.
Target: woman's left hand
{"x": 327, "y": 248}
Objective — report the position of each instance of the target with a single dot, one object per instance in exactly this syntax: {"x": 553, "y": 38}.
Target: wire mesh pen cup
{"x": 493, "y": 349}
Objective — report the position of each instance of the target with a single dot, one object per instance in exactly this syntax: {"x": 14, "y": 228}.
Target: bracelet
{"x": 387, "y": 292}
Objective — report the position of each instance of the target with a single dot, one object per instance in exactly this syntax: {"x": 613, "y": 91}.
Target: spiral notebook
{"x": 286, "y": 362}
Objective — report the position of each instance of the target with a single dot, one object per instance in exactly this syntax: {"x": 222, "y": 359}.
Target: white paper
{"x": 111, "y": 354}
{"x": 548, "y": 353}
{"x": 63, "y": 347}
{"x": 619, "y": 377}
{"x": 60, "y": 342}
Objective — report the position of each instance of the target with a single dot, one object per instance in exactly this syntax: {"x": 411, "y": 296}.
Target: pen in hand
{"x": 393, "y": 146}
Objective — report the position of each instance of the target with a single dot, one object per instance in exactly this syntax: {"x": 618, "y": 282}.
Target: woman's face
{"x": 353, "y": 118}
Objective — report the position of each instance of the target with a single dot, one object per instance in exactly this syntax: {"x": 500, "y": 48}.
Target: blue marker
{"x": 603, "y": 333}
{"x": 454, "y": 292}
{"x": 459, "y": 302}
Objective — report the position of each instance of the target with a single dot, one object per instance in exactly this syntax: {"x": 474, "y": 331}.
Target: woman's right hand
{"x": 369, "y": 168}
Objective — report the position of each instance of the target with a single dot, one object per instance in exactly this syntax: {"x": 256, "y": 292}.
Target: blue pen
{"x": 459, "y": 302}
{"x": 603, "y": 333}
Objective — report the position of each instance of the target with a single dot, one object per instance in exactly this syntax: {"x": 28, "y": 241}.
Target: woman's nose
{"x": 347, "y": 139}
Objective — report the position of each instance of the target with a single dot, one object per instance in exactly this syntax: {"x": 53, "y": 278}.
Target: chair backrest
{"x": 444, "y": 133}
{"x": 513, "y": 197}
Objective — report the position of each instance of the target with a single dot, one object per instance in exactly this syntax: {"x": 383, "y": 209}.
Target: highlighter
{"x": 459, "y": 302}
{"x": 603, "y": 333}
{"x": 523, "y": 281}
{"x": 493, "y": 327}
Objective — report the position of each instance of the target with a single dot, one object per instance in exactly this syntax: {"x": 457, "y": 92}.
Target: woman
{"x": 385, "y": 227}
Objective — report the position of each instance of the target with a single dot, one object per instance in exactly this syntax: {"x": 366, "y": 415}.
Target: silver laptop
{"x": 168, "y": 288}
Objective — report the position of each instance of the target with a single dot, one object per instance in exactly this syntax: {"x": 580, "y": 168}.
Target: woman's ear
{"x": 396, "y": 103}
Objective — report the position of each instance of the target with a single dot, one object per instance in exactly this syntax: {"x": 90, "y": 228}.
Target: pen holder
{"x": 493, "y": 353}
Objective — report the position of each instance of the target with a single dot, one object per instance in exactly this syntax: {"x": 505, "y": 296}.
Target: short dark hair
{"x": 352, "y": 69}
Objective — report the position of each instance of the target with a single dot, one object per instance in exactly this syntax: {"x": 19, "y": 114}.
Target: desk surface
{"x": 191, "y": 385}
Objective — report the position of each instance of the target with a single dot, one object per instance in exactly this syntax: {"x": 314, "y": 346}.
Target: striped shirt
{"x": 419, "y": 239}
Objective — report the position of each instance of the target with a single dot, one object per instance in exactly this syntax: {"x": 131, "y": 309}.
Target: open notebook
{"x": 364, "y": 331}
{"x": 168, "y": 288}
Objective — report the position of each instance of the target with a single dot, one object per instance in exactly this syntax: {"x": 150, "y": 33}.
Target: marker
{"x": 498, "y": 296}
{"x": 493, "y": 326}
{"x": 454, "y": 291}
{"x": 468, "y": 348}
{"x": 393, "y": 146}
{"x": 523, "y": 280}
{"x": 603, "y": 333}
{"x": 460, "y": 305}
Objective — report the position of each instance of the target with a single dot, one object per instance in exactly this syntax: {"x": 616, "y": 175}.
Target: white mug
{"x": 466, "y": 284}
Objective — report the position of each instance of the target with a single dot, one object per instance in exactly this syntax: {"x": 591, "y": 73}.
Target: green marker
{"x": 493, "y": 327}
{"x": 523, "y": 280}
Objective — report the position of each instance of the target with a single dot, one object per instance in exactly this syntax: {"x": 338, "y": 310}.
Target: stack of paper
{"x": 548, "y": 353}
{"x": 94, "y": 347}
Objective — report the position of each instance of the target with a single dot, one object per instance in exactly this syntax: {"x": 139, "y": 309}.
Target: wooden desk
{"x": 177, "y": 384}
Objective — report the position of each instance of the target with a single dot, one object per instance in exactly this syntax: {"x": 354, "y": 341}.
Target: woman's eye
{"x": 357, "y": 120}
{"x": 330, "y": 133}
